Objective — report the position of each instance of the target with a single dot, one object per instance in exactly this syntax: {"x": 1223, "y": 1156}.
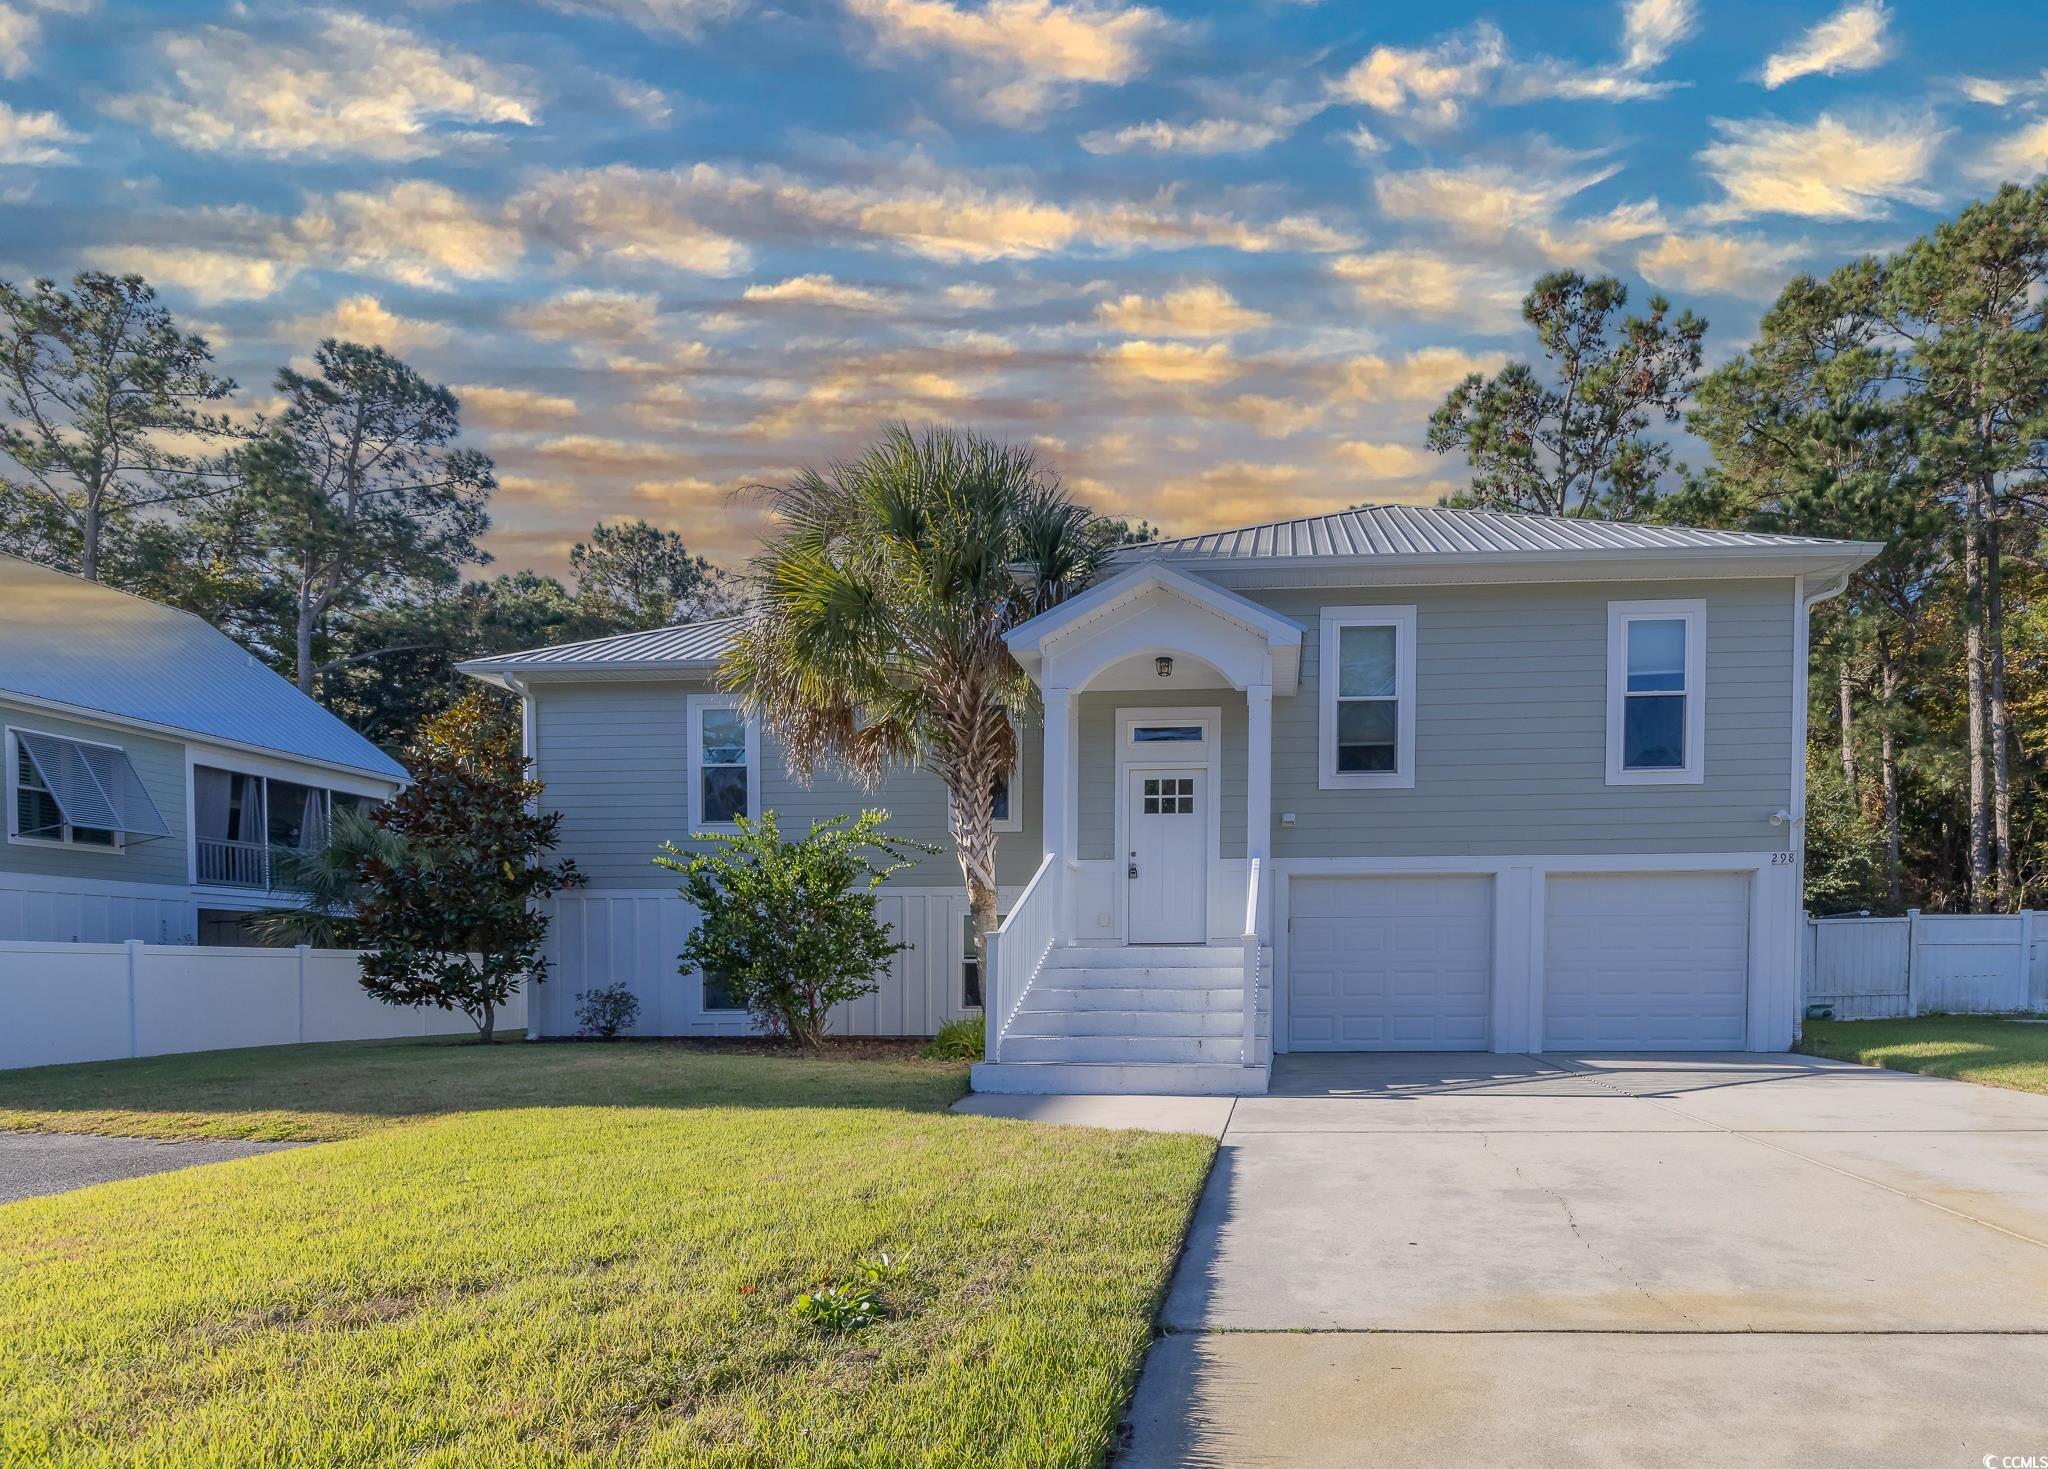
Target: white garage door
{"x": 1390, "y": 963}
{"x": 1646, "y": 962}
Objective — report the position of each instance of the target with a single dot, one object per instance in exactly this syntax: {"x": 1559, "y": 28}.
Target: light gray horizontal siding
{"x": 614, "y": 759}
{"x": 1511, "y": 728}
{"x": 160, "y": 763}
{"x": 1096, "y": 808}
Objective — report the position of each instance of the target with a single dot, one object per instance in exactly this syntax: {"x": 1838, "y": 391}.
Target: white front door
{"x": 1166, "y": 864}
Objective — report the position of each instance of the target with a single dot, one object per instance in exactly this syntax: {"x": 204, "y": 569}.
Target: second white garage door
{"x": 1390, "y": 963}
{"x": 1646, "y": 962}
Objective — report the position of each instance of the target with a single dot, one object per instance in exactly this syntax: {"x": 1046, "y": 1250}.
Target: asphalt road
{"x": 33, "y": 1163}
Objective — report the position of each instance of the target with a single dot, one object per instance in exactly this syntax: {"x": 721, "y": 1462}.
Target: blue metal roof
{"x": 77, "y": 643}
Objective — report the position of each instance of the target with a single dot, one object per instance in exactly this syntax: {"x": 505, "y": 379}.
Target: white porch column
{"x": 1258, "y": 784}
{"x": 1057, "y": 780}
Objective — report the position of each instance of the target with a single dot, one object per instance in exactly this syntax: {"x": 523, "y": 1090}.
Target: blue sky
{"x": 1219, "y": 262}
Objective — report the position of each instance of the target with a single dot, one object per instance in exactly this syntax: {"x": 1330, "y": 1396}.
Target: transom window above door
{"x": 1166, "y": 734}
{"x": 1656, "y": 692}
{"x": 1169, "y": 795}
{"x": 1368, "y": 697}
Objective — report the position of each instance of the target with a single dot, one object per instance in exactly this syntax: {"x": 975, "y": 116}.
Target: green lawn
{"x": 1981, "y": 1048}
{"x": 576, "y": 1255}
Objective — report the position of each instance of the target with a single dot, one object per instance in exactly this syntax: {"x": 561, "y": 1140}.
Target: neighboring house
{"x": 153, "y": 768}
{"x": 1394, "y": 778}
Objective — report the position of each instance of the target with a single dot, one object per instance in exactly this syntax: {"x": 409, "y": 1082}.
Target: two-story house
{"x": 1394, "y": 778}
{"x": 154, "y": 767}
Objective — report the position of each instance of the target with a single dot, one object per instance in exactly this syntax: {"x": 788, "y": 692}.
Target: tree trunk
{"x": 1845, "y": 697}
{"x": 488, "y": 1026}
{"x": 89, "y": 534}
{"x": 303, "y": 647}
{"x": 1888, "y": 777}
{"x": 2001, "y": 743}
{"x": 1980, "y": 793}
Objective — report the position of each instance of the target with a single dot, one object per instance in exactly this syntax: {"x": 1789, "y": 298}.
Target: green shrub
{"x": 607, "y": 1011}
{"x": 965, "y": 1039}
{"x": 789, "y": 927}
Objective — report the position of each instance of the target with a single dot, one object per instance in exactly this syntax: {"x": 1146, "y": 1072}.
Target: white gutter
{"x": 1801, "y": 654}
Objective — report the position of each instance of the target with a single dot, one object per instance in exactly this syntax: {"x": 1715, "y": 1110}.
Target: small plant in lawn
{"x": 448, "y": 919}
{"x": 607, "y": 1011}
{"x": 884, "y": 1269}
{"x": 838, "y": 1307}
{"x": 965, "y": 1039}
{"x": 789, "y": 927}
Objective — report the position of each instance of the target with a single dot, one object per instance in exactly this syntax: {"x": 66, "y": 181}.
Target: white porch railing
{"x": 1016, "y": 949}
{"x": 1254, "y": 953}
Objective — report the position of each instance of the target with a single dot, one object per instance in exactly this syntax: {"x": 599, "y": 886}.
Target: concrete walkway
{"x": 1640, "y": 1261}
{"x": 33, "y": 1163}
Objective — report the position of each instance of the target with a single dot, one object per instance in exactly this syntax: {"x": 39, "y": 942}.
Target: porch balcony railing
{"x": 1017, "y": 949}
{"x": 228, "y": 864}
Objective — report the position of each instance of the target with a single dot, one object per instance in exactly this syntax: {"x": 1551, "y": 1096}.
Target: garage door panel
{"x": 1649, "y": 961}
{"x": 1393, "y": 963}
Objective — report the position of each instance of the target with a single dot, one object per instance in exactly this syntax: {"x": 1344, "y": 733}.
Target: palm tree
{"x": 326, "y": 881}
{"x": 880, "y": 608}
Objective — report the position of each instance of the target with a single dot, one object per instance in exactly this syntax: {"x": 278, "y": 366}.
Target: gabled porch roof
{"x": 1211, "y": 621}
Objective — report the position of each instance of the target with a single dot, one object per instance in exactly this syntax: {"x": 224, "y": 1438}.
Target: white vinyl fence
{"x": 1960, "y": 963}
{"x": 101, "y": 1002}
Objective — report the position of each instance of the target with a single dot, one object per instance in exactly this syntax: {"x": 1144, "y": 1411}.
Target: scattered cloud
{"x": 1388, "y": 461}
{"x": 1176, "y": 363}
{"x": 364, "y": 319}
{"x": 356, "y": 87}
{"x": 969, "y": 296}
{"x": 1831, "y": 168}
{"x": 1422, "y": 376}
{"x": 2002, "y": 92}
{"x": 2021, "y": 156}
{"x": 416, "y": 233}
{"x": 587, "y": 315}
{"x": 1650, "y": 28}
{"x": 1243, "y": 126}
{"x": 512, "y": 408}
{"x": 19, "y": 31}
{"x": 1430, "y": 84}
{"x": 1485, "y": 202}
{"x": 634, "y": 214}
{"x": 1747, "y": 266}
{"x": 819, "y": 290}
{"x": 597, "y": 454}
{"x": 33, "y": 139}
{"x": 1419, "y": 283}
{"x": 1206, "y": 310}
{"x": 1276, "y": 418}
{"x": 685, "y": 18}
{"x": 1020, "y": 58}
{"x": 1852, "y": 39}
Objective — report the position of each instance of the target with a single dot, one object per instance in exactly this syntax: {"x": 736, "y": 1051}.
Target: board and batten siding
{"x": 159, "y": 763}
{"x": 1511, "y": 728}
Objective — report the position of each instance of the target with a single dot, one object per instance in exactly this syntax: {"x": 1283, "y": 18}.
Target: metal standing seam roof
{"x": 1416, "y": 530}
{"x": 689, "y": 642}
{"x": 77, "y": 643}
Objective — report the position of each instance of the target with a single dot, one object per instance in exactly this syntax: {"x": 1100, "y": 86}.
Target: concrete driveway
{"x": 1627, "y": 1260}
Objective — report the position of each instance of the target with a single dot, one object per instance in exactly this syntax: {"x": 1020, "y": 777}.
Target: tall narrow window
{"x": 1368, "y": 696}
{"x": 724, "y": 757}
{"x": 1656, "y": 674}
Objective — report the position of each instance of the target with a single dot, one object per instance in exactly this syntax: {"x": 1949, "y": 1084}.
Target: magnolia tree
{"x": 789, "y": 927}
{"x": 449, "y": 916}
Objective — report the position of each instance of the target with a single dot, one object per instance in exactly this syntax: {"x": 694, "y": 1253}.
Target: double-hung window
{"x": 1368, "y": 697}
{"x": 725, "y": 763}
{"x": 1656, "y": 692}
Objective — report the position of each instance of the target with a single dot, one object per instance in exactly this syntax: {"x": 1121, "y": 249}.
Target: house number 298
{"x": 1781, "y": 859}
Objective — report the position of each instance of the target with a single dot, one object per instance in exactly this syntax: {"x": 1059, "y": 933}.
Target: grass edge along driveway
{"x": 1992, "y": 1050}
{"x": 596, "y": 1274}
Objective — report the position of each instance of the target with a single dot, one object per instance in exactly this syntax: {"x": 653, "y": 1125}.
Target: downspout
{"x": 529, "y": 748}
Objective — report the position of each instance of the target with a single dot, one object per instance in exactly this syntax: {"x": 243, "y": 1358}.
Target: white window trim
{"x": 694, "y": 708}
{"x": 66, "y": 843}
{"x": 1402, "y": 776}
{"x": 1693, "y": 612}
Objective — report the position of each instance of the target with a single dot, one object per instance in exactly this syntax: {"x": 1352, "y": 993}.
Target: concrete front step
{"x": 1121, "y": 976}
{"x": 1017, "y": 1047}
{"x": 1068, "y": 996}
{"x": 1145, "y": 956}
{"x": 1052, "y": 1078}
{"x": 1036, "y": 1020}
